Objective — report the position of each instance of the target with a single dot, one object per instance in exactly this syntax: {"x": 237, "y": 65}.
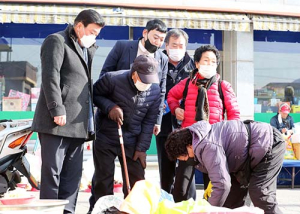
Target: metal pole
{"x": 124, "y": 159}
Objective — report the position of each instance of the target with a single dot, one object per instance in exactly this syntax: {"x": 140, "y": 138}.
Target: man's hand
{"x": 142, "y": 156}
{"x": 156, "y": 129}
{"x": 179, "y": 113}
{"x": 60, "y": 120}
{"x": 116, "y": 114}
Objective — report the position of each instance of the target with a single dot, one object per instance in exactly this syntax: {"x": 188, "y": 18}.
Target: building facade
{"x": 258, "y": 39}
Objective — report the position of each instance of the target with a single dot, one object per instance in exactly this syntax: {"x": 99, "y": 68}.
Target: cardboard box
{"x": 295, "y": 109}
{"x": 296, "y": 148}
{"x": 12, "y": 104}
{"x": 24, "y": 97}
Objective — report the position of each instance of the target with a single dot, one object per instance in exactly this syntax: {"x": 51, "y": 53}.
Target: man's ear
{"x": 134, "y": 76}
{"x": 145, "y": 32}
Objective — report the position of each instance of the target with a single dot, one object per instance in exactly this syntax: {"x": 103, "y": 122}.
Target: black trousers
{"x": 61, "y": 168}
{"x": 263, "y": 181}
{"x": 183, "y": 174}
{"x": 104, "y": 162}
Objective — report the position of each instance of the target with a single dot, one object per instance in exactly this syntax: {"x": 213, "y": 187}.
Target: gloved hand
{"x": 142, "y": 156}
{"x": 208, "y": 191}
{"x": 116, "y": 114}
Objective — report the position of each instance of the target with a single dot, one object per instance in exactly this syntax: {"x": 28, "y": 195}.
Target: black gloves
{"x": 116, "y": 114}
{"x": 142, "y": 156}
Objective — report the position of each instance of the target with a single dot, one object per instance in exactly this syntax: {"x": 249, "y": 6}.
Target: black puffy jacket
{"x": 140, "y": 110}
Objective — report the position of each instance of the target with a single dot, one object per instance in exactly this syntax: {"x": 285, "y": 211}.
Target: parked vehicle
{"x": 14, "y": 135}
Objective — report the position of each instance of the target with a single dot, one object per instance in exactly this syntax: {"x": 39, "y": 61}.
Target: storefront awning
{"x": 276, "y": 23}
{"x": 60, "y": 14}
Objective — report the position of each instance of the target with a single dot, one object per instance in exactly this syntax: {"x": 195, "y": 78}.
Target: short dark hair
{"x": 156, "y": 24}
{"x": 176, "y": 33}
{"x": 89, "y": 16}
{"x": 199, "y": 51}
{"x": 177, "y": 142}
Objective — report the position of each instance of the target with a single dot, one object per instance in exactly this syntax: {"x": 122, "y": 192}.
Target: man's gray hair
{"x": 176, "y": 32}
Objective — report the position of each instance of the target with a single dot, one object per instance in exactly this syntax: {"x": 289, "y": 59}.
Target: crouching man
{"x": 129, "y": 99}
{"x": 238, "y": 158}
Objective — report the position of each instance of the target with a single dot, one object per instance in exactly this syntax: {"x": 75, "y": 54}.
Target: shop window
{"x": 20, "y": 66}
{"x": 276, "y": 70}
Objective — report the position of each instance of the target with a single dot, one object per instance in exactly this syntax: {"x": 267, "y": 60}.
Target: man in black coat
{"x": 124, "y": 52}
{"x": 179, "y": 67}
{"x": 130, "y": 100}
{"x": 64, "y": 116}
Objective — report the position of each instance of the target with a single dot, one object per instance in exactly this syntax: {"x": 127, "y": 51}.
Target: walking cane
{"x": 124, "y": 159}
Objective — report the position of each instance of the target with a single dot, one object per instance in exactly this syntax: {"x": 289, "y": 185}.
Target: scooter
{"x": 14, "y": 135}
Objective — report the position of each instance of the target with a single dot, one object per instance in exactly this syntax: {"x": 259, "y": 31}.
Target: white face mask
{"x": 142, "y": 86}
{"x": 176, "y": 54}
{"x": 207, "y": 71}
{"x": 88, "y": 41}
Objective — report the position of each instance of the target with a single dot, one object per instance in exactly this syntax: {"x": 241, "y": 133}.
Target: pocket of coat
{"x": 64, "y": 92}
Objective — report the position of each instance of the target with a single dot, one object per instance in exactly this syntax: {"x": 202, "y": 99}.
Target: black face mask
{"x": 192, "y": 162}
{"x": 149, "y": 47}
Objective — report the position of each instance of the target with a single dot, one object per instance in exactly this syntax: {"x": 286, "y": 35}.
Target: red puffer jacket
{"x": 215, "y": 102}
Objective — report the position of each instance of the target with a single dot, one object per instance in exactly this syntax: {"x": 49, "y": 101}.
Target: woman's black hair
{"x": 204, "y": 48}
{"x": 177, "y": 142}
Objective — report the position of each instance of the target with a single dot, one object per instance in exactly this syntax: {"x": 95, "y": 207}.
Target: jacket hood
{"x": 199, "y": 131}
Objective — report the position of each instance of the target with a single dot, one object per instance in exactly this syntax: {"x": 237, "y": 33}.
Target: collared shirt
{"x": 143, "y": 51}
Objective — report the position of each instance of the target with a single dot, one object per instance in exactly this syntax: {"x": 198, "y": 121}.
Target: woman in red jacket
{"x": 204, "y": 99}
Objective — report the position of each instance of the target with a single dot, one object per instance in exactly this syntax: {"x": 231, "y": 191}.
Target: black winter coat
{"x": 122, "y": 56}
{"x": 140, "y": 110}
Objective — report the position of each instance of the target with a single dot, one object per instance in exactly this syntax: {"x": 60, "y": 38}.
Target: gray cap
{"x": 146, "y": 67}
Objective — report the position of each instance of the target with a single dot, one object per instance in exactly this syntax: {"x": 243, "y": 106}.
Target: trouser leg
{"x": 263, "y": 181}
{"x": 104, "y": 162}
{"x": 92, "y": 197}
{"x": 237, "y": 195}
{"x": 183, "y": 177}
{"x": 61, "y": 168}
{"x": 135, "y": 170}
{"x": 70, "y": 177}
{"x": 167, "y": 168}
